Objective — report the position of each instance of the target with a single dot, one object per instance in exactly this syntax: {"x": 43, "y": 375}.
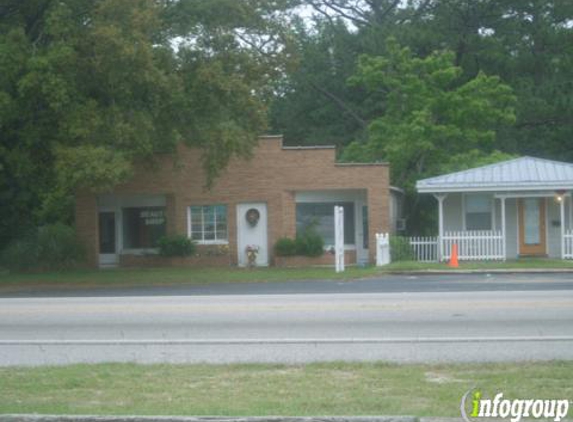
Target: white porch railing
{"x": 568, "y": 244}
{"x": 474, "y": 245}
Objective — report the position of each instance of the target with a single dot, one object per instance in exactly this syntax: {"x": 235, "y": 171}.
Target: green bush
{"x": 21, "y": 254}
{"x": 176, "y": 245}
{"x": 309, "y": 243}
{"x": 285, "y": 247}
{"x": 400, "y": 249}
{"x": 58, "y": 247}
{"x": 51, "y": 247}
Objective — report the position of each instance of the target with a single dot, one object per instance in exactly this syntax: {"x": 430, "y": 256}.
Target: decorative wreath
{"x": 252, "y": 216}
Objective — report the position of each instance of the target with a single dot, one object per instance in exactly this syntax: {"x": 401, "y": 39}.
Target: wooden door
{"x": 532, "y": 238}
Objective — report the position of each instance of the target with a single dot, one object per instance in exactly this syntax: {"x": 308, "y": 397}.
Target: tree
{"x": 529, "y": 44}
{"x": 431, "y": 117}
{"x": 314, "y": 104}
{"x": 88, "y": 88}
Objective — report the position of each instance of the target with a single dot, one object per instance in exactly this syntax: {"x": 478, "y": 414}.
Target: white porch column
{"x": 570, "y": 225}
{"x": 440, "y": 197}
{"x": 503, "y": 246}
{"x": 562, "y": 210}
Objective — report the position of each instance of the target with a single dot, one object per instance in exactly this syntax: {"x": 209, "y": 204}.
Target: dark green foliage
{"x": 21, "y": 254}
{"x": 176, "y": 245}
{"x": 51, "y": 247}
{"x": 58, "y": 247}
{"x": 309, "y": 243}
{"x": 285, "y": 246}
{"x": 432, "y": 114}
{"x": 400, "y": 249}
{"x": 528, "y": 44}
{"x": 89, "y": 88}
{"x": 447, "y": 105}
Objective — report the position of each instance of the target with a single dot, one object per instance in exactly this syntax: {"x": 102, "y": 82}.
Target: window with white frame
{"x": 478, "y": 209}
{"x": 208, "y": 223}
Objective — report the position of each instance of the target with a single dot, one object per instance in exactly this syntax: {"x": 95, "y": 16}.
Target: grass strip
{"x": 262, "y": 389}
{"x": 183, "y": 276}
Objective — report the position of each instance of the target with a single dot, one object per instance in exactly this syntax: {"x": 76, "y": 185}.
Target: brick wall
{"x": 149, "y": 261}
{"x": 272, "y": 175}
{"x": 307, "y": 261}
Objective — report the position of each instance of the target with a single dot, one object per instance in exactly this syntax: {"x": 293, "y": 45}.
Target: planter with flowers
{"x": 252, "y": 252}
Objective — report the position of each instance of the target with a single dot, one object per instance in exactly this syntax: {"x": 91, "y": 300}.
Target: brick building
{"x": 253, "y": 202}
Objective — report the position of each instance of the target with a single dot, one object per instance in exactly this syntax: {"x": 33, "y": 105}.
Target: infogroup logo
{"x": 473, "y": 405}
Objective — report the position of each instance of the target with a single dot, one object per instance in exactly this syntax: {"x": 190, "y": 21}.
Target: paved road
{"x": 386, "y": 284}
{"x": 402, "y": 327}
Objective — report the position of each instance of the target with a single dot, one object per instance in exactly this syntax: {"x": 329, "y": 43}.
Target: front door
{"x": 252, "y": 233}
{"x": 107, "y": 239}
{"x": 532, "y": 240}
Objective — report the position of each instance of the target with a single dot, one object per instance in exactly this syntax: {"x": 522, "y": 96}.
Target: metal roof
{"x": 525, "y": 173}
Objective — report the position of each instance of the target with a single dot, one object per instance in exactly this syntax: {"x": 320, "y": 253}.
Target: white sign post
{"x": 339, "y": 238}
{"x": 382, "y": 249}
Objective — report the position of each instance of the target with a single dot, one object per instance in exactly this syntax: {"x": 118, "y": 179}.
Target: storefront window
{"x": 320, "y": 217}
{"x": 143, "y": 227}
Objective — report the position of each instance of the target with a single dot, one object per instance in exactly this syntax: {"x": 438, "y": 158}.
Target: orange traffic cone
{"x": 454, "y": 256}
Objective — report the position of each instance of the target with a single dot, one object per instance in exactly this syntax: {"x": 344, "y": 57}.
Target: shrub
{"x": 58, "y": 247}
{"x": 176, "y": 245}
{"x": 400, "y": 249}
{"x": 21, "y": 254}
{"x": 51, "y": 247}
{"x": 309, "y": 243}
{"x": 285, "y": 247}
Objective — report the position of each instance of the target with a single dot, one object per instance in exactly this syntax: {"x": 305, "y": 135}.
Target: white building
{"x": 514, "y": 208}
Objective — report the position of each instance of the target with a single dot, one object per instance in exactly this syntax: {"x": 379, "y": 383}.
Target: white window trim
{"x": 207, "y": 242}
{"x": 140, "y": 251}
{"x": 491, "y": 209}
{"x": 346, "y": 247}
{"x": 210, "y": 242}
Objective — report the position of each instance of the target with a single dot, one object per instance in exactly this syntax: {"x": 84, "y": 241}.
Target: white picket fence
{"x": 568, "y": 244}
{"x": 474, "y": 245}
{"x": 424, "y": 248}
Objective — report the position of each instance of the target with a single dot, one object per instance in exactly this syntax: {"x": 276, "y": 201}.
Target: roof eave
{"x": 497, "y": 188}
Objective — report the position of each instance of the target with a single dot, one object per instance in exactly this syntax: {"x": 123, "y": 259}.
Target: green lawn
{"x": 516, "y": 264}
{"x": 170, "y": 276}
{"x": 257, "y": 389}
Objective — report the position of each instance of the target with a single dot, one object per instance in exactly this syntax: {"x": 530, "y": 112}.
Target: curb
{"x": 105, "y": 418}
{"x": 483, "y": 271}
